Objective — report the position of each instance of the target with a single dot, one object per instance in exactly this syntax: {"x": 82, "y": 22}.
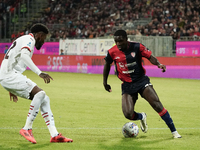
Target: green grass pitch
{"x": 93, "y": 118}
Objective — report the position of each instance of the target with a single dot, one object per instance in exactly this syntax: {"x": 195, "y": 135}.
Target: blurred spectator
{"x": 61, "y": 52}
{"x": 23, "y": 9}
{"x": 138, "y": 35}
{"x": 6, "y": 49}
{"x": 196, "y": 34}
{"x": 196, "y": 31}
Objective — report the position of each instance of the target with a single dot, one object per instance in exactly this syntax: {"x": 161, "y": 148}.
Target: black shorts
{"x": 133, "y": 88}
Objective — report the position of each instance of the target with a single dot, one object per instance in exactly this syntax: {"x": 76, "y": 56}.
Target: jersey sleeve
{"x": 145, "y": 51}
{"x": 28, "y": 43}
{"x": 25, "y": 56}
{"x": 108, "y": 58}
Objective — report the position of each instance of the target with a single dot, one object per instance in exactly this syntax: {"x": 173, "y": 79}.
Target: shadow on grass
{"x": 27, "y": 146}
{"x": 140, "y": 143}
{"x": 30, "y": 146}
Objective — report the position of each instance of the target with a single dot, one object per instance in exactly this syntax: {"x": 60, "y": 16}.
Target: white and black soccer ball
{"x": 130, "y": 130}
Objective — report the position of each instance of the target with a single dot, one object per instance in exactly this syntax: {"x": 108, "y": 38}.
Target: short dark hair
{"x": 38, "y": 27}
{"x": 120, "y": 33}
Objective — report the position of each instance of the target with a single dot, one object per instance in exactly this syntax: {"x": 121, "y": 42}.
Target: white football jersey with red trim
{"x": 12, "y": 61}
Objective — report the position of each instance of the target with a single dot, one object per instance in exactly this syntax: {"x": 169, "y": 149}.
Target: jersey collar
{"x": 31, "y": 34}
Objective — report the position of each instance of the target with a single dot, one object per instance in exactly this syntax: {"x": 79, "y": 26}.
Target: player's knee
{"x": 39, "y": 96}
{"x": 46, "y": 99}
{"x": 42, "y": 94}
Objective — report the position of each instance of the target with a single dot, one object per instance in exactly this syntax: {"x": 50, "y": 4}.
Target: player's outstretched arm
{"x": 106, "y": 71}
{"x": 155, "y": 61}
{"x": 46, "y": 77}
{"x": 13, "y": 97}
{"x": 25, "y": 56}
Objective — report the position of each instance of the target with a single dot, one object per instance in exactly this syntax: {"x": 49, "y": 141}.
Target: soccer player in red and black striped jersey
{"x": 127, "y": 57}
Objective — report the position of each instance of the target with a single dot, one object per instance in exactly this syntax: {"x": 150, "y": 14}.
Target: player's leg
{"x": 128, "y": 104}
{"x": 48, "y": 116}
{"x": 49, "y": 120}
{"x": 150, "y": 95}
{"x": 41, "y": 101}
{"x": 21, "y": 86}
{"x": 37, "y": 96}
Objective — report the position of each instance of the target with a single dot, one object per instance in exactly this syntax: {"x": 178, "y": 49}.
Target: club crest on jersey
{"x": 29, "y": 44}
{"x": 133, "y": 54}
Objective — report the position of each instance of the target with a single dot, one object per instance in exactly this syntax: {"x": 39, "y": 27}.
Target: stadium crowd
{"x": 6, "y": 7}
{"x": 97, "y": 18}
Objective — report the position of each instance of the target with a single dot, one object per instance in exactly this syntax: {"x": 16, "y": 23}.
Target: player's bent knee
{"x": 39, "y": 95}
{"x": 46, "y": 99}
{"x": 42, "y": 94}
{"x": 34, "y": 91}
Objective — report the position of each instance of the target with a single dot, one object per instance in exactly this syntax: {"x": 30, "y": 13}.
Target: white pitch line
{"x": 8, "y": 128}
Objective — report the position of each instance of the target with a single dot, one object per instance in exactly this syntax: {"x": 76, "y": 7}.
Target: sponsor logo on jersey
{"x": 121, "y": 65}
{"x": 133, "y": 54}
{"x": 117, "y": 57}
{"x": 129, "y": 71}
{"x": 131, "y": 64}
{"x": 29, "y": 44}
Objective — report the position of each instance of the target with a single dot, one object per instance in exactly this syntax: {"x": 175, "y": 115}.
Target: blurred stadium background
{"x": 84, "y": 29}
{"x": 169, "y": 28}
{"x": 99, "y": 18}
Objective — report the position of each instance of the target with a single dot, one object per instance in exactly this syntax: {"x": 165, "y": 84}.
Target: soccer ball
{"x": 130, "y": 130}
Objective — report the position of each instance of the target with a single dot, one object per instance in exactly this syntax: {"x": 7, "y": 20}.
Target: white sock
{"x": 48, "y": 116}
{"x": 53, "y": 131}
{"x": 174, "y": 132}
{"x": 34, "y": 109}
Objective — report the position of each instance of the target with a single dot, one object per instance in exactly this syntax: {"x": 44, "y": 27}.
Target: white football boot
{"x": 176, "y": 135}
{"x": 143, "y": 123}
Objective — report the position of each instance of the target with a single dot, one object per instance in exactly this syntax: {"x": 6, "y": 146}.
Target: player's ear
{"x": 39, "y": 34}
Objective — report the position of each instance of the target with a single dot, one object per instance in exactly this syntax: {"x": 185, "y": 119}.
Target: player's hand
{"x": 13, "y": 97}
{"x": 46, "y": 77}
{"x": 163, "y": 67}
{"x": 107, "y": 87}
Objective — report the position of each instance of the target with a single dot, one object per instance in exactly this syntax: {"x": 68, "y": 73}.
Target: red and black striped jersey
{"x": 129, "y": 63}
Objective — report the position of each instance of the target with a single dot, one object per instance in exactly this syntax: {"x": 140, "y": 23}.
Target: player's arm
{"x": 145, "y": 52}
{"x": 25, "y": 56}
{"x": 106, "y": 71}
{"x": 155, "y": 61}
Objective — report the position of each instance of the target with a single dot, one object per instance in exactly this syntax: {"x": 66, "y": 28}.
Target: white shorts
{"x": 18, "y": 84}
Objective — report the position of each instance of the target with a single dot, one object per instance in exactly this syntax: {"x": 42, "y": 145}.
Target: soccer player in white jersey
{"x": 15, "y": 62}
